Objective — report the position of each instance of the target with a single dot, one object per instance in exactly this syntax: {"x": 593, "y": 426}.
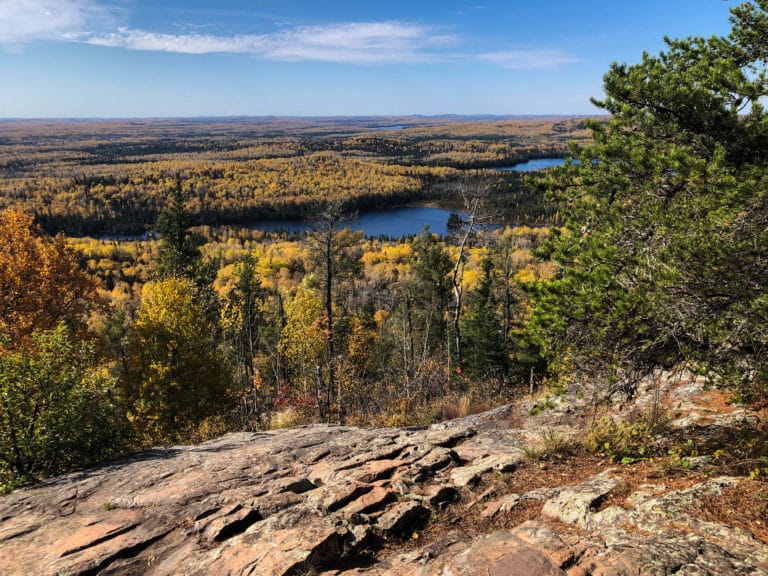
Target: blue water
{"x": 531, "y": 165}
{"x": 393, "y": 222}
{"x": 148, "y": 235}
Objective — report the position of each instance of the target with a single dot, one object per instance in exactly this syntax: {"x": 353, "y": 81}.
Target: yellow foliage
{"x": 40, "y": 281}
{"x": 380, "y": 316}
{"x": 303, "y": 340}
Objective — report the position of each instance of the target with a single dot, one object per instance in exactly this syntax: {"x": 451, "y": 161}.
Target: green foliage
{"x": 665, "y": 254}
{"x": 57, "y": 409}
{"x": 541, "y": 406}
{"x": 625, "y": 442}
{"x": 430, "y": 289}
{"x": 179, "y": 253}
{"x": 177, "y": 375}
{"x": 484, "y": 351}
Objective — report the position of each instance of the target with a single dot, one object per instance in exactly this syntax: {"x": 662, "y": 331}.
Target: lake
{"x": 531, "y": 165}
{"x": 392, "y": 222}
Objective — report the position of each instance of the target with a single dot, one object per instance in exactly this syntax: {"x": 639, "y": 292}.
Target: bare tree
{"x": 474, "y": 195}
{"x": 330, "y": 242}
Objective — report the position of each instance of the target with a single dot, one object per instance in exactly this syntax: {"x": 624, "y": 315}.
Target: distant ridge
{"x": 418, "y": 118}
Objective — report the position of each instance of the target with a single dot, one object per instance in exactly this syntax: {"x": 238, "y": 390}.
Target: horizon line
{"x": 296, "y": 116}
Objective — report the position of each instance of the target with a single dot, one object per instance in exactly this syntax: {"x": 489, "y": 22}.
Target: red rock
{"x": 228, "y": 522}
{"x": 332, "y": 498}
{"x": 402, "y": 518}
{"x": 282, "y": 553}
{"x": 500, "y": 554}
{"x": 92, "y": 534}
{"x": 442, "y": 494}
{"x": 370, "y": 501}
{"x": 377, "y": 470}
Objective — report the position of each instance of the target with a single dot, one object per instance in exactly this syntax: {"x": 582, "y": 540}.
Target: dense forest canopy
{"x": 661, "y": 262}
{"x": 210, "y": 329}
{"x": 89, "y": 177}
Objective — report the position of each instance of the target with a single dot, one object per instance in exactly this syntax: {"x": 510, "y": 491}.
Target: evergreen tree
{"x": 484, "y": 351}
{"x": 429, "y": 292}
{"x": 332, "y": 246}
{"x": 665, "y": 255}
{"x": 179, "y": 253}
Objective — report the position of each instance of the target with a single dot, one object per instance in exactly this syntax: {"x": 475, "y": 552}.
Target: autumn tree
{"x": 243, "y": 319}
{"x": 177, "y": 375}
{"x": 303, "y": 344}
{"x": 41, "y": 283}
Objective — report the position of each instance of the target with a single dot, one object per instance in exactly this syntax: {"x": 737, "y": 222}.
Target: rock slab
{"x": 342, "y": 501}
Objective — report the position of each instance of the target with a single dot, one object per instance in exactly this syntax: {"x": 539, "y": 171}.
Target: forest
{"x": 113, "y": 177}
{"x": 647, "y": 251}
{"x": 203, "y": 328}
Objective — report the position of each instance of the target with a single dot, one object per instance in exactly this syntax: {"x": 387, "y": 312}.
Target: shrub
{"x": 57, "y": 411}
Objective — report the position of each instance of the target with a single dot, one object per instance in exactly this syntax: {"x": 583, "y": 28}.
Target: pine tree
{"x": 179, "y": 253}
{"x": 485, "y": 354}
{"x": 665, "y": 256}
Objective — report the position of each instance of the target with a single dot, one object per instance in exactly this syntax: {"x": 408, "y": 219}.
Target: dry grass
{"x": 286, "y": 418}
{"x": 463, "y": 405}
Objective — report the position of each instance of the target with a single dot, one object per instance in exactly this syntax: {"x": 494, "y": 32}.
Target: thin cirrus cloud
{"x": 354, "y": 42}
{"x": 389, "y": 42}
{"x": 24, "y": 21}
{"x": 529, "y": 59}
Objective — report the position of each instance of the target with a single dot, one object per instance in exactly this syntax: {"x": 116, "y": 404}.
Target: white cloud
{"x": 359, "y": 42}
{"x": 181, "y": 43}
{"x": 529, "y": 59}
{"x": 88, "y": 21}
{"x": 23, "y": 21}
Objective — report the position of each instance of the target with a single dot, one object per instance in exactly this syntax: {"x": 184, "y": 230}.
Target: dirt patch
{"x": 744, "y": 506}
{"x": 645, "y": 472}
{"x": 468, "y": 516}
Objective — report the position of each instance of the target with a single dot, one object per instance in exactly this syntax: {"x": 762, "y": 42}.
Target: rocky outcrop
{"x": 336, "y": 500}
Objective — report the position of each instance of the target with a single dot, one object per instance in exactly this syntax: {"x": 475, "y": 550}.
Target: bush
{"x": 625, "y": 442}
{"x": 57, "y": 412}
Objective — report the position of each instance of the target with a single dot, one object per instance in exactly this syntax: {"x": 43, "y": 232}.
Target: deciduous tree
{"x": 41, "y": 283}
{"x": 57, "y": 409}
{"x": 177, "y": 375}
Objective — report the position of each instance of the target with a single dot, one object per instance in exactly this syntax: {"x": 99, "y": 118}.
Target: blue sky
{"x": 138, "y": 58}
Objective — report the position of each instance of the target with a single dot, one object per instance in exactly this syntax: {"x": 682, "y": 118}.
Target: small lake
{"x": 392, "y": 222}
{"x": 531, "y": 165}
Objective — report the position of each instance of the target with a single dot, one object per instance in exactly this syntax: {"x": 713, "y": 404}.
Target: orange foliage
{"x": 41, "y": 283}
